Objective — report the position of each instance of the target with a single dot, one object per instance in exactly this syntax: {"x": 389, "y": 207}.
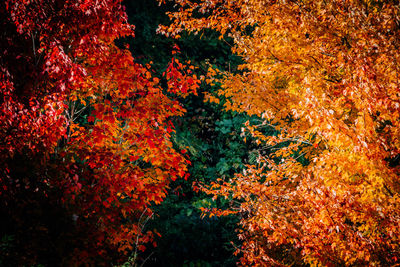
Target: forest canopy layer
{"x": 89, "y": 146}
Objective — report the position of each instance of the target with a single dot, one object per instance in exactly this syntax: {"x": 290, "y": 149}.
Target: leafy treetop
{"x": 324, "y": 74}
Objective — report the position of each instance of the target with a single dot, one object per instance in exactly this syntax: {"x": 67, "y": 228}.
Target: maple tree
{"x": 323, "y": 76}
{"x": 82, "y": 123}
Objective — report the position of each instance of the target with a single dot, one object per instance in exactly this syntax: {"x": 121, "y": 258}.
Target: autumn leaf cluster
{"x": 79, "y": 117}
{"x": 324, "y": 75}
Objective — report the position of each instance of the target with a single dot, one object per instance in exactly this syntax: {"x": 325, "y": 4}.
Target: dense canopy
{"x": 91, "y": 140}
{"x": 83, "y": 125}
{"x": 325, "y": 76}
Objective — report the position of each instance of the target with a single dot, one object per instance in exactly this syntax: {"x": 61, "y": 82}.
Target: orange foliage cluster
{"x": 325, "y": 76}
{"x": 59, "y": 61}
